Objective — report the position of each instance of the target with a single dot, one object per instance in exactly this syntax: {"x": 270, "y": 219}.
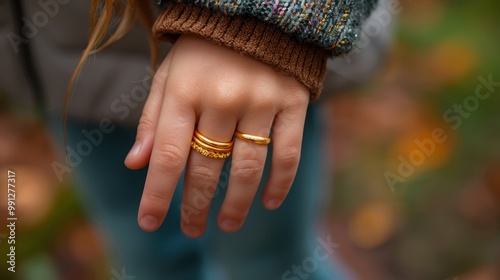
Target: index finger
{"x": 170, "y": 152}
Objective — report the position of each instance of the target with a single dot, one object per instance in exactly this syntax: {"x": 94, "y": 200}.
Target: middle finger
{"x": 202, "y": 173}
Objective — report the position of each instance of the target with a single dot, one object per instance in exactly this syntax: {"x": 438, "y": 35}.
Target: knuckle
{"x": 289, "y": 157}
{"x": 297, "y": 99}
{"x": 227, "y": 94}
{"x": 160, "y": 77}
{"x": 184, "y": 90}
{"x": 168, "y": 157}
{"x": 265, "y": 101}
{"x": 296, "y": 104}
{"x": 202, "y": 175}
{"x": 181, "y": 86}
{"x": 227, "y": 84}
{"x": 226, "y": 100}
{"x": 247, "y": 170}
{"x": 145, "y": 124}
{"x": 156, "y": 198}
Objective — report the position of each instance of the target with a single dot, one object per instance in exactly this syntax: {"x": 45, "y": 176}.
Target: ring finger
{"x": 246, "y": 172}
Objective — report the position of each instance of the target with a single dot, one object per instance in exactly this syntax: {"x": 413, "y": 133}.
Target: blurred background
{"x": 416, "y": 162}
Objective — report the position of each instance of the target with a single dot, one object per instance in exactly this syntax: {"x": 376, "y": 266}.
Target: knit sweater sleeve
{"x": 294, "y": 36}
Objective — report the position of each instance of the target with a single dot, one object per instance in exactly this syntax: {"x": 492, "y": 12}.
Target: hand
{"x": 217, "y": 90}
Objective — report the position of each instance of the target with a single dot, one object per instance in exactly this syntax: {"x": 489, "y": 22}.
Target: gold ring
{"x": 209, "y": 153}
{"x": 209, "y": 147}
{"x": 213, "y": 143}
{"x": 252, "y": 138}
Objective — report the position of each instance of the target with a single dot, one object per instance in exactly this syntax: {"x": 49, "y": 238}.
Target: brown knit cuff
{"x": 249, "y": 36}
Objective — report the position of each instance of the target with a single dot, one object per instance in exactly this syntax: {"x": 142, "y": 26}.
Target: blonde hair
{"x": 101, "y": 13}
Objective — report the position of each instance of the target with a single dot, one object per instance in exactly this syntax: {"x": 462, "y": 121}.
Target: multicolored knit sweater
{"x": 294, "y": 36}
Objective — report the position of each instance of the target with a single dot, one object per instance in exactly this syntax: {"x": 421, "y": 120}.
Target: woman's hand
{"x": 217, "y": 90}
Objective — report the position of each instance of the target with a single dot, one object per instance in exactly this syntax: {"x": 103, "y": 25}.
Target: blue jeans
{"x": 281, "y": 244}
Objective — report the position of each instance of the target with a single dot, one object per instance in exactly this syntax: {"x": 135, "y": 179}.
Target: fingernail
{"x": 149, "y": 223}
{"x": 135, "y": 149}
{"x": 229, "y": 225}
{"x": 273, "y": 204}
{"x": 192, "y": 231}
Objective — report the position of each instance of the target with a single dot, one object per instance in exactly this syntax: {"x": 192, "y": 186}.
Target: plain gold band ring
{"x": 210, "y": 147}
{"x": 213, "y": 143}
{"x": 252, "y": 138}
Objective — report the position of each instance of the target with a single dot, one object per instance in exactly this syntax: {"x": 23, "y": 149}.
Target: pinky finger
{"x": 287, "y": 142}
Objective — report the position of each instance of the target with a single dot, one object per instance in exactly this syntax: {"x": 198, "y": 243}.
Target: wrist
{"x": 249, "y": 36}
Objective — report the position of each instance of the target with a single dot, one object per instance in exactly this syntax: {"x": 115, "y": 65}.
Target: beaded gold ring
{"x": 211, "y": 148}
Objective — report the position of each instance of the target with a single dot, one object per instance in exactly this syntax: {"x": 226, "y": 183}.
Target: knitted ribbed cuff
{"x": 249, "y": 36}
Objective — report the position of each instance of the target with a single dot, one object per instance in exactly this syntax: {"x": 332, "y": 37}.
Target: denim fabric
{"x": 269, "y": 246}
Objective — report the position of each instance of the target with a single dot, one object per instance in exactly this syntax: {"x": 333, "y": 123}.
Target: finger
{"x": 202, "y": 173}
{"x": 287, "y": 141}
{"x": 246, "y": 172}
{"x": 140, "y": 153}
{"x": 170, "y": 151}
